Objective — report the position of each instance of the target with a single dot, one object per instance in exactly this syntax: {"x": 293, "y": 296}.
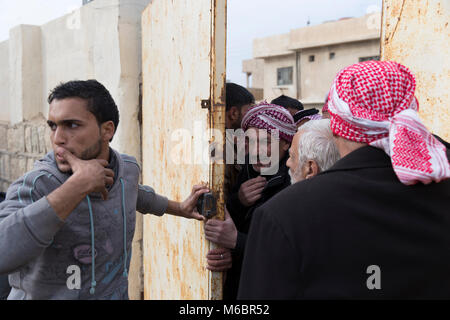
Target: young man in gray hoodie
{"x": 66, "y": 227}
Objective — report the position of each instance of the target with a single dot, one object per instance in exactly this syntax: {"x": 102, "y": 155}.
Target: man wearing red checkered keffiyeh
{"x": 270, "y": 117}
{"x": 270, "y": 129}
{"x": 374, "y": 103}
{"x": 382, "y": 229}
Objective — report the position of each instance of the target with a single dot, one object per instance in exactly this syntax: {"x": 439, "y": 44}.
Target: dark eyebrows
{"x": 64, "y": 122}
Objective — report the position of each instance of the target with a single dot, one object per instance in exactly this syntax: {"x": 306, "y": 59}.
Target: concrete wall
{"x": 271, "y": 89}
{"x": 348, "y": 39}
{"x": 4, "y": 81}
{"x": 67, "y": 51}
{"x": 254, "y": 67}
{"x": 271, "y": 46}
{"x": 336, "y": 32}
{"x": 101, "y": 40}
{"x": 317, "y": 77}
{"x": 25, "y": 72}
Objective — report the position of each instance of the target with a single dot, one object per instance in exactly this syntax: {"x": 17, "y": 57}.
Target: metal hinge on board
{"x": 206, "y": 104}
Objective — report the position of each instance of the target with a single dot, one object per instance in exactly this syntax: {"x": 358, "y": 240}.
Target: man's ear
{"x": 312, "y": 169}
{"x": 107, "y": 130}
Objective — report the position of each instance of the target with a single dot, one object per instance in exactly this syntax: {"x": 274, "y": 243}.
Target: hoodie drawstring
{"x": 93, "y": 283}
{"x": 125, "y": 254}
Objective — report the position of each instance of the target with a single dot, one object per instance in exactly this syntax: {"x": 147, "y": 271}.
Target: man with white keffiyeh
{"x": 376, "y": 224}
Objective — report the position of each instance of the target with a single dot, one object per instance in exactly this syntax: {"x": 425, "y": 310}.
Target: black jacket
{"x": 242, "y": 217}
{"x": 319, "y": 238}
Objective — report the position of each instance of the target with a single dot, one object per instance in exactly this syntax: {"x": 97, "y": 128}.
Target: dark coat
{"x": 4, "y": 284}
{"x": 318, "y": 238}
{"x": 242, "y": 217}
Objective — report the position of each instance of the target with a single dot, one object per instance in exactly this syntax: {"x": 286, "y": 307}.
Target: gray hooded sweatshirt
{"x": 43, "y": 255}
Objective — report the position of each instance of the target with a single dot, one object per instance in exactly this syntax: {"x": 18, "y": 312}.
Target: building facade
{"x": 303, "y": 63}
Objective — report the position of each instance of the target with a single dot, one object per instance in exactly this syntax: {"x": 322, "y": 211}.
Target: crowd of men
{"x": 362, "y": 187}
{"x": 350, "y": 204}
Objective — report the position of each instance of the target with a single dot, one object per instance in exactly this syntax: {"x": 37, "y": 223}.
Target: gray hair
{"x": 316, "y": 143}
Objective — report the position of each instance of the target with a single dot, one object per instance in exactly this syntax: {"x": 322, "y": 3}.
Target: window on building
{"x": 311, "y": 58}
{"x": 249, "y": 80}
{"x": 369, "y": 58}
{"x": 284, "y": 76}
{"x": 332, "y": 55}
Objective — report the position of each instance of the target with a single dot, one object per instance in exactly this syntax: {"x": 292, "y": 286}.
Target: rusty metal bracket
{"x": 206, "y": 104}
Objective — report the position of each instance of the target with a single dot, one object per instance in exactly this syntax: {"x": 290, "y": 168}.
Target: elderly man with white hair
{"x": 312, "y": 151}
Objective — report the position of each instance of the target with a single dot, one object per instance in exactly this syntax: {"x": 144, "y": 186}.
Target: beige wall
{"x": 66, "y": 52}
{"x": 25, "y": 72}
{"x": 271, "y": 46}
{"x": 255, "y": 67}
{"x": 349, "y": 39}
{"x": 271, "y": 89}
{"x": 336, "y": 32}
{"x": 317, "y": 76}
{"x": 4, "y": 82}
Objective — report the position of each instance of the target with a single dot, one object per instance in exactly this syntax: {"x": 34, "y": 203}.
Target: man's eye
{"x": 73, "y": 125}
{"x": 52, "y": 126}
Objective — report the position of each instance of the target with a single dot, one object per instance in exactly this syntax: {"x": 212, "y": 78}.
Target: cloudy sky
{"x": 247, "y": 19}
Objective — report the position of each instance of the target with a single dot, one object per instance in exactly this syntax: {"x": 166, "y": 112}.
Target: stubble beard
{"x": 295, "y": 176}
{"x": 92, "y": 152}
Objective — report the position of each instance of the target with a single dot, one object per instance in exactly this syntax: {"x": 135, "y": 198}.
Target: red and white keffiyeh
{"x": 374, "y": 102}
{"x": 270, "y": 117}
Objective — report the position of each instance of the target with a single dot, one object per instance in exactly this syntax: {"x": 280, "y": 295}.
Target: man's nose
{"x": 59, "y": 136}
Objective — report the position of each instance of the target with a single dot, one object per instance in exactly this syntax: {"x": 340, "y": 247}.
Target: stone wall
{"x": 20, "y": 146}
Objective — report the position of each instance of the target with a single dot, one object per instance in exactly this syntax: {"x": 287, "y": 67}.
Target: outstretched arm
{"x": 150, "y": 202}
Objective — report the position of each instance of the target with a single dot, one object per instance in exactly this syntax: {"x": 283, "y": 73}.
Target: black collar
{"x": 365, "y": 157}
